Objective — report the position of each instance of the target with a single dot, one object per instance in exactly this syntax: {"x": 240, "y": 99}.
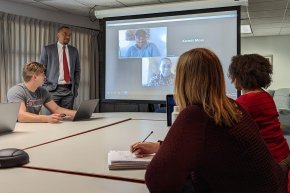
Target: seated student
{"x": 165, "y": 77}
{"x": 142, "y": 48}
{"x": 213, "y": 139}
{"x": 251, "y": 73}
{"x": 32, "y": 96}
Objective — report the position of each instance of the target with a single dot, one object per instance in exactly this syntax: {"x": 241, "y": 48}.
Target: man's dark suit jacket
{"x": 49, "y": 57}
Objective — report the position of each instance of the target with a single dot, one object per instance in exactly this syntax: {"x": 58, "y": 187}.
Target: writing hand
{"x": 144, "y": 148}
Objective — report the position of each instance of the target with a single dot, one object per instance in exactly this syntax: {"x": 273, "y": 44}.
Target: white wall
{"x": 42, "y": 14}
{"x": 279, "y": 46}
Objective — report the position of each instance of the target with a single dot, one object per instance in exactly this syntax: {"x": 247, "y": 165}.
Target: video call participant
{"x": 213, "y": 140}
{"x": 165, "y": 77}
{"x": 32, "y": 96}
{"x": 142, "y": 48}
{"x": 62, "y": 72}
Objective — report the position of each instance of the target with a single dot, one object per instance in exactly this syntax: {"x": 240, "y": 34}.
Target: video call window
{"x": 158, "y": 71}
{"x": 142, "y": 42}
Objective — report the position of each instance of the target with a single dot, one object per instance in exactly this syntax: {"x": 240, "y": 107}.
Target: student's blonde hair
{"x": 30, "y": 69}
{"x": 200, "y": 80}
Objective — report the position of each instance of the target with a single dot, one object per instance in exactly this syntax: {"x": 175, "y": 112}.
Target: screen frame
{"x": 102, "y": 72}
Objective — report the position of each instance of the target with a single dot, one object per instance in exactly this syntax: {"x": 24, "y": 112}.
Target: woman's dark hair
{"x": 250, "y": 71}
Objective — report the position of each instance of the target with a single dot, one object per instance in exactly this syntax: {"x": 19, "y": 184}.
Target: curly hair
{"x": 250, "y": 71}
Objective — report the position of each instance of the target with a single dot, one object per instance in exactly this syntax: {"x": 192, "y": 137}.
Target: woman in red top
{"x": 251, "y": 73}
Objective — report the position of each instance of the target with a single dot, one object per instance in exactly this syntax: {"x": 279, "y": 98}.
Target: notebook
{"x": 8, "y": 116}
{"x": 86, "y": 109}
{"x": 120, "y": 160}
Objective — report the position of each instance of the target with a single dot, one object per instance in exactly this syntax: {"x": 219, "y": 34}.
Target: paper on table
{"x": 118, "y": 160}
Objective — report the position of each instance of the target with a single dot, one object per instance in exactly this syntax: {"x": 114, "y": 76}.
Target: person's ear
{"x": 34, "y": 76}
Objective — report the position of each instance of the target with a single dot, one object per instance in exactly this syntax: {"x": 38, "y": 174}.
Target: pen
{"x": 143, "y": 140}
{"x": 147, "y": 136}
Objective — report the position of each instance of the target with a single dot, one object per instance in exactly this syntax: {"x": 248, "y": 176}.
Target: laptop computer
{"x": 170, "y": 103}
{"x": 8, "y": 116}
{"x": 86, "y": 109}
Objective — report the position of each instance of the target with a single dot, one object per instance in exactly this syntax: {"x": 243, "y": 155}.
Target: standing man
{"x": 62, "y": 69}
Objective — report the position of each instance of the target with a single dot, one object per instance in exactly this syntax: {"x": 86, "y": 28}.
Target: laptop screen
{"x": 8, "y": 118}
{"x": 86, "y": 109}
{"x": 170, "y": 103}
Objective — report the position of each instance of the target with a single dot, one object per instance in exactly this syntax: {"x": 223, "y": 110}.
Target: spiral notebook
{"x": 121, "y": 160}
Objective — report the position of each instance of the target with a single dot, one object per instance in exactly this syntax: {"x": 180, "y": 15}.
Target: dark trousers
{"x": 63, "y": 96}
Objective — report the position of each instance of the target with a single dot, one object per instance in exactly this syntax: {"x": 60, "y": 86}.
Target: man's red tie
{"x": 65, "y": 66}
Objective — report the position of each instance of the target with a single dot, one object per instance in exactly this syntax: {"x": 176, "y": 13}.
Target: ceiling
{"x": 266, "y": 17}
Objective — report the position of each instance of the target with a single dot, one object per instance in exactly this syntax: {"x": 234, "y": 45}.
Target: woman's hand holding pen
{"x": 141, "y": 149}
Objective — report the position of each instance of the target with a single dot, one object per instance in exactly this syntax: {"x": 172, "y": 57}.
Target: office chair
{"x": 282, "y": 101}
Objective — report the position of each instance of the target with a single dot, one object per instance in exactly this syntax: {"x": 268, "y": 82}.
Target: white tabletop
{"x": 134, "y": 115}
{"x": 87, "y": 153}
{"x": 75, "y": 154}
{"x": 21, "y": 180}
{"x": 30, "y": 134}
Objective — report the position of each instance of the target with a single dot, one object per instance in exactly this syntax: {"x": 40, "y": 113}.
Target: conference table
{"x": 73, "y": 156}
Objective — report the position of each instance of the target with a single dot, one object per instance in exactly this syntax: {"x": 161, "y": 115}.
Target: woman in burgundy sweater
{"x": 251, "y": 73}
{"x": 212, "y": 139}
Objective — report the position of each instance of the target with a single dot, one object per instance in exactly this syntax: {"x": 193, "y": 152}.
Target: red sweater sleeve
{"x": 180, "y": 152}
{"x": 262, "y": 108}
